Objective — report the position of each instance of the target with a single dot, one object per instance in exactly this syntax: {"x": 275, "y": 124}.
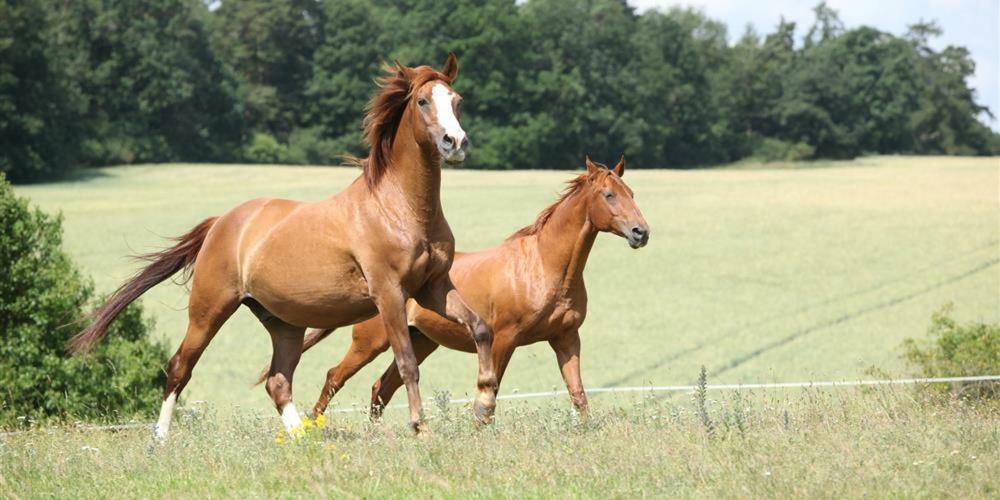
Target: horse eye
{"x": 421, "y": 101}
{"x": 609, "y": 195}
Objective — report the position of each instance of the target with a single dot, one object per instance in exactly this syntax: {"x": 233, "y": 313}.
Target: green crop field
{"x": 759, "y": 273}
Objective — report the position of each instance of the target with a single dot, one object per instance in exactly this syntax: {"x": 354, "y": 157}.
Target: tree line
{"x": 99, "y": 82}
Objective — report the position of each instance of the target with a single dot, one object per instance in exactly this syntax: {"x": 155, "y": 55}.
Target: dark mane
{"x": 384, "y": 113}
{"x": 573, "y": 186}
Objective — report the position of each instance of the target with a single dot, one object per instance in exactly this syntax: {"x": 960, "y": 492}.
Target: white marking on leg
{"x": 290, "y": 416}
{"x": 166, "y": 414}
{"x": 446, "y": 113}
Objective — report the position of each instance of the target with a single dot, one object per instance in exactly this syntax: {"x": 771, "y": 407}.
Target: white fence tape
{"x": 646, "y": 389}
{"x": 724, "y": 387}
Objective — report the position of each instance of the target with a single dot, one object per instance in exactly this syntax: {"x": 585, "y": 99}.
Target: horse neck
{"x": 565, "y": 242}
{"x": 413, "y": 177}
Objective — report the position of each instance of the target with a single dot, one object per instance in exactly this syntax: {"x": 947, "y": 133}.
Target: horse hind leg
{"x": 286, "y": 341}
{"x": 207, "y": 312}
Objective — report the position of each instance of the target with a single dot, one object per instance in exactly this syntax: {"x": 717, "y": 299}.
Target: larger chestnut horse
{"x": 528, "y": 289}
{"x": 365, "y": 251}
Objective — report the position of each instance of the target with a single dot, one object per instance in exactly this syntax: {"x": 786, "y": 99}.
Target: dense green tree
{"x": 343, "y": 67}
{"x": 156, "y": 91}
{"x": 545, "y": 82}
{"x": 40, "y": 105}
{"x": 945, "y": 120}
{"x": 270, "y": 46}
{"x": 675, "y": 103}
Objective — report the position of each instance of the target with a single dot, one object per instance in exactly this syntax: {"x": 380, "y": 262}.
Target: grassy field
{"x": 759, "y": 274}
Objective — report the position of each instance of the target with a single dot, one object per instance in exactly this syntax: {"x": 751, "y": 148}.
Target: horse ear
{"x": 591, "y": 168}
{"x": 403, "y": 71}
{"x": 450, "y": 68}
{"x": 619, "y": 169}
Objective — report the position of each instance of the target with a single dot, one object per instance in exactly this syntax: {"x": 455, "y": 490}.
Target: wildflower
{"x": 297, "y": 432}
{"x": 345, "y": 457}
{"x": 331, "y": 447}
{"x": 307, "y": 423}
{"x": 279, "y": 438}
{"x": 321, "y": 421}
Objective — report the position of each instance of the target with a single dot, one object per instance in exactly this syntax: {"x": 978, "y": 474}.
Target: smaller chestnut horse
{"x": 528, "y": 289}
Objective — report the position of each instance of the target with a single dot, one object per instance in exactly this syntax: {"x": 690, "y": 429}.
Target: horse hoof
{"x": 417, "y": 428}
{"x": 483, "y": 411}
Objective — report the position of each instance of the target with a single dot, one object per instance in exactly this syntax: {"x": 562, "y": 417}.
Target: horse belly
{"x": 304, "y": 290}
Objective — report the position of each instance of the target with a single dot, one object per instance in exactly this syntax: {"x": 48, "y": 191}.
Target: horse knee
{"x": 408, "y": 371}
{"x": 333, "y": 381}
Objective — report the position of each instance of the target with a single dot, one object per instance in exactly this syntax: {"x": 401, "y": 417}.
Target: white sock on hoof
{"x": 290, "y": 416}
{"x": 166, "y": 413}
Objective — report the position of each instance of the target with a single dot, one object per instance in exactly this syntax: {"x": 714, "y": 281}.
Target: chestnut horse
{"x": 365, "y": 251}
{"x": 528, "y": 289}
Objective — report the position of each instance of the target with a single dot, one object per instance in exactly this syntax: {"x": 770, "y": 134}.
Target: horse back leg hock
{"x": 206, "y": 314}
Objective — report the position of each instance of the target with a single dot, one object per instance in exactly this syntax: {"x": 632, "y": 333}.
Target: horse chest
{"x": 563, "y": 314}
{"x": 429, "y": 260}
{"x": 567, "y": 314}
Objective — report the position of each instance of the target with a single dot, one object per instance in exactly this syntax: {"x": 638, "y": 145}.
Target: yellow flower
{"x": 345, "y": 457}
{"x": 331, "y": 447}
{"x": 321, "y": 421}
{"x": 307, "y": 423}
{"x": 279, "y": 438}
{"x": 297, "y": 432}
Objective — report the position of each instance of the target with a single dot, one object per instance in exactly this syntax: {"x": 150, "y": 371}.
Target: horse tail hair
{"x": 312, "y": 338}
{"x": 163, "y": 264}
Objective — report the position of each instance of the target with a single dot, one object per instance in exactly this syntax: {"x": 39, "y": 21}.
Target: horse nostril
{"x": 465, "y": 143}
{"x": 638, "y": 232}
{"x": 449, "y": 141}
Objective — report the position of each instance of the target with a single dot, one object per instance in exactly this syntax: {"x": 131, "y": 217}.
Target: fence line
{"x": 648, "y": 389}
{"x": 726, "y": 387}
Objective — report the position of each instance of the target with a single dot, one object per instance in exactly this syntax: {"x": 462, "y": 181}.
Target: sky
{"x": 974, "y": 24}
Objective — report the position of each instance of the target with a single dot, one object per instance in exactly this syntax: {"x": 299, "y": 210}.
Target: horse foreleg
{"x": 386, "y": 385}
{"x": 442, "y": 298}
{"x": 567, "y": 349}
{"x": 391, "y": 306}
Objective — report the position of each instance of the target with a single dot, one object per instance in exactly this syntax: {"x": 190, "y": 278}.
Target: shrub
{"x": 958, "y": 350}
{"x": 307, "y": 146}
{"x": 42, "y": 298}
{"x": 264, "y": 148}
{"x": 769, "y": 149}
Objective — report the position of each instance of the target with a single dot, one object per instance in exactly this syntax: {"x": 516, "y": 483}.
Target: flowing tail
{"x": 163, "y": 264}
{"x": 312, "y": 338}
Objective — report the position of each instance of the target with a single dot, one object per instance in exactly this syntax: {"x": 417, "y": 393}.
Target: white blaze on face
{"x": 442, "y": 97}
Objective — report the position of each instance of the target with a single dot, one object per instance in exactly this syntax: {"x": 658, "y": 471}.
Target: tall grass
{"x": 878, "y": 442}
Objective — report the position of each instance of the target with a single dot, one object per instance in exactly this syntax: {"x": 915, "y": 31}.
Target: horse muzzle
{"x": 638, "y": 237}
